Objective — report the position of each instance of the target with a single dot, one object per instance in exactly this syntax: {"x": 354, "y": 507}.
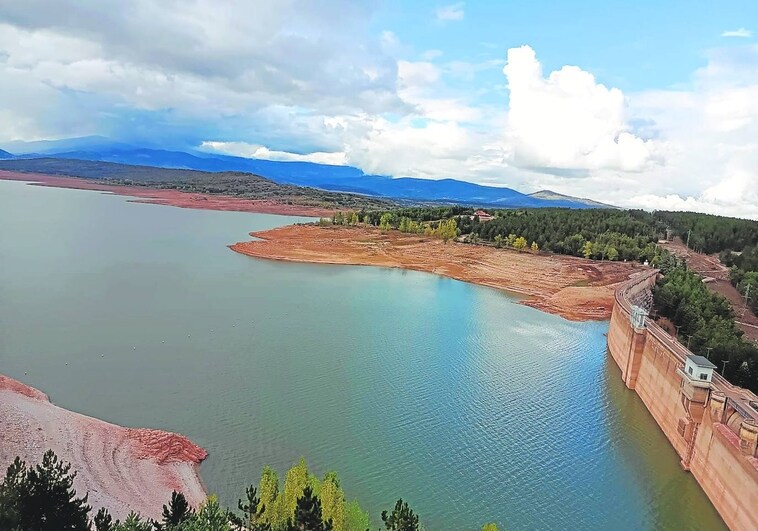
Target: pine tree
{"x": 177, "y": 511}
{"x": 308, "y": 514}
{"x": 133, "y": 522}
{"x": 401, "y": 518}
{"x": 42, "y": 498}
{"x": 210, "y": 517}
{"x": 103, "y": 520}
{"x": 252, "y": 512}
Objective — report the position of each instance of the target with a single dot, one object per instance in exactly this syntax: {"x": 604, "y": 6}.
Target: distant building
{"x": 482, "y": 215}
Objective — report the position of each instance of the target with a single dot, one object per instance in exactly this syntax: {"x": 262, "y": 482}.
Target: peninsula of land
{"x": 122, "y": 469}
{"x": 573, "y": 288}
{"x": 170, "y": 196}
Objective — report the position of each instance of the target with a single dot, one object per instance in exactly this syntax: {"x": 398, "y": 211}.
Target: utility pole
{"x": 708, "y": 355}
{"x": 724, "y": 369}
{"x": 688, "y": 237}
{"x": 677, "y": 330}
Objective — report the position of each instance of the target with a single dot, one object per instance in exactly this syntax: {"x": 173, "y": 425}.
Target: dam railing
{"x": 740, "y": 398}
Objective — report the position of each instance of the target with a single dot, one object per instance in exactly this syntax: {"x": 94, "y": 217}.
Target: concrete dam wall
{"x": 713, "y": 426}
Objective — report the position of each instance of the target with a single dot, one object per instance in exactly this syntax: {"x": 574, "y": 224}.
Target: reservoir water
{"x": 471, "y": 407}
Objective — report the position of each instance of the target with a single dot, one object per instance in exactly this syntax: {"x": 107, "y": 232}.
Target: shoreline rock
{"x": 122, "y": 469}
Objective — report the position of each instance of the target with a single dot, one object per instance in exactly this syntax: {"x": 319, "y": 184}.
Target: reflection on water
{"x": 467, "y": 405}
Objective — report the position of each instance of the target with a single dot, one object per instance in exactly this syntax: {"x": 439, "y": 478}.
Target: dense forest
{"x": 602, "y": 234}
{"x": 42, "y": 498}
{"x": 706, "y": 323}
{"x": 711, "y": 234}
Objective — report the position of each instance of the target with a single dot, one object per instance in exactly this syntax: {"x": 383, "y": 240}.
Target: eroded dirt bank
{"x": 170, "y": 197}
{"x": 571, "y": 287}
{"x": 123, "y": 469}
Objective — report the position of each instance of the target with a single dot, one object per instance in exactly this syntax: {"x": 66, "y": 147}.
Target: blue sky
{"x": 644, "y": 104}
{"x": 631, "y": 45}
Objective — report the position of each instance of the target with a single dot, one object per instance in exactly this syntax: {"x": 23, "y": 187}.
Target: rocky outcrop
{"x": 123, "y": 469}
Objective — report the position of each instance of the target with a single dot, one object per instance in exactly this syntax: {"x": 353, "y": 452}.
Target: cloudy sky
{"x": 644, "y": 104}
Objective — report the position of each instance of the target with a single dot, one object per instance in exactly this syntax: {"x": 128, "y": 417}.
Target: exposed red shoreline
{"x": 571, "y": 287}
{"x": 170, "y": 197}
{"x": 122, "y": 469}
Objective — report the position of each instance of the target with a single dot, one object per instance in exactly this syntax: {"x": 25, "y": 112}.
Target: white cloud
{"x": 198, "y": 60}
{"x": 568, "y": 120}
{"x": 303, "y": 89}
{"x": 742, "y": 32}
{"x": 431, "y": 55}
{"x": 243, "y": 149}
{"x": 450, "y": 12}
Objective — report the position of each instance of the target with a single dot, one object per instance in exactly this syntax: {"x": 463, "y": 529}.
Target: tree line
{"x": 710, "y": 234}
{"x": 42, "y": 498}
{"x": 706, "y": 323}
{"x": 602, "y": 234}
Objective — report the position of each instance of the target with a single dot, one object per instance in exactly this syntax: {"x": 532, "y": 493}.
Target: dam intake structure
{"x": 712, "y": 424}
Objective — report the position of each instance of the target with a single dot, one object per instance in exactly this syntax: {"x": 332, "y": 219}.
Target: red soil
{"x": 165, "y": 447}
{"x": 123, "y": 469}
{"x": 9, "y": 384}
{"x": 170, "y": 197}
{"x": 574, "y": 288}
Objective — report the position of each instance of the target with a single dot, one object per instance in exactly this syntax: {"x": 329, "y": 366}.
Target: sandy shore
{"x": 122, "y": 469}
{"x": 574, "y": 288}
{"x": 171, "y": 197}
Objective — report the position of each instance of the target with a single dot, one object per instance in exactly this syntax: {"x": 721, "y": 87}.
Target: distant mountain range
{"x": 549, "y": 195}
{"x": 322, "y": 176}
{"x": 5, "y": 155}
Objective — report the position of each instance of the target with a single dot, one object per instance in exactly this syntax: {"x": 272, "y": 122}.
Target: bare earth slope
{"x": 122, "y": 469}
{"x": 574, "y": 288}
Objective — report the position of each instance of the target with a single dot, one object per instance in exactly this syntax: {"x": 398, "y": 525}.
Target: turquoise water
{"x": 471, "y": 407}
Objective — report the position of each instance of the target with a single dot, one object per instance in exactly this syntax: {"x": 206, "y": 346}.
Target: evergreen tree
{"x": 308, "y": 515}
{"x": 134, "y": 522}
{"x": 10, "y": 493}
{"x": 401, "y": 518}
{"x": 252, "y": 513}
{"x": 176, "y": 512}
{"x": 103, "y": 520}
{"x": 42, "y": 498}
{"x": 210, "y": 517}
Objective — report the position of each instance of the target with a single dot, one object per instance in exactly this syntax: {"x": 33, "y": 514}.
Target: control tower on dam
{"x": 711, "y": 424}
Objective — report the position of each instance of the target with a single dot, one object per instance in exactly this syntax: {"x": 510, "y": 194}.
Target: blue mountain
{"x": 5, "y": 155}
{"x": 323, "y": 176}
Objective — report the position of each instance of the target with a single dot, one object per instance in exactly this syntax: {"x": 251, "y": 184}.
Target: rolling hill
{"x": 322, "y": 176}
